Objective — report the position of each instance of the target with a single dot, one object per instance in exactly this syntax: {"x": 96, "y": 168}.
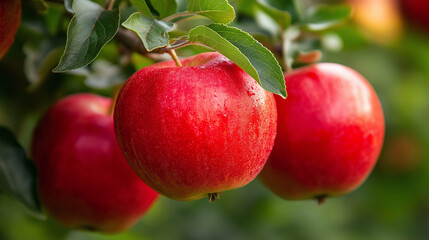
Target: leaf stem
{"x": 178, "y": 45}
{"x": 177, "y": 15}
{"x": 174, "y": 56}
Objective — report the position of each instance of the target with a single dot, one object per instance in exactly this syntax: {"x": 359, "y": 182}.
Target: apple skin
{"x": 330, "y": 133}
{"x": 84, "y": 180}
{"x": 195, "y": 130}
{"x": 416, "y": 11}
{"x": 10, "y": 17}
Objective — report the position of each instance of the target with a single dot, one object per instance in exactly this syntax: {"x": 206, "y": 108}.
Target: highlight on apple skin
{"x": 197, "y": 130}
{"x": 84, "y": 180}
{"x": 10, "y": 18}
{"x": 330, "y": 133}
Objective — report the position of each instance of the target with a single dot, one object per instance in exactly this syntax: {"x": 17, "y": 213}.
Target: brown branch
{"x": 131, "y": 41}
{"x": 54, "y": 1}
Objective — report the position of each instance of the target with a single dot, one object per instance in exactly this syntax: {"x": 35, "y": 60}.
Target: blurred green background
{"x": 392, "y": 204}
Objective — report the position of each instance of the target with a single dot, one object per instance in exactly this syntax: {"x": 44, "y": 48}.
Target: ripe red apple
{"x": 416, "y": 11}
{"x": 197, "y": 130}
{"x": 84, "y": 180}
{"x": 330, "y": 133}
{"x": 10, "y": 17}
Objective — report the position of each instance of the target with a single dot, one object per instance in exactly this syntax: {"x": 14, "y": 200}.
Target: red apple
{"x": 416, "y": 11}
{"x": 10, "y": 17}
{"x": 197, "y": 130}
{"x": 330, "y": 133}
{"x": 84, "y": 180}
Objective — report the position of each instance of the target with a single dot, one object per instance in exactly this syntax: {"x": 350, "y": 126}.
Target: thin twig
{"x": 110, "y": 4}
{"x": 177, "y": 15}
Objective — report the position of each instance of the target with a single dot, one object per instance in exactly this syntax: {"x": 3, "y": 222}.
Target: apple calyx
{"x": 321, "y": 199}
{"x": 89, "y": 228}
{"x": 213, "y": 196}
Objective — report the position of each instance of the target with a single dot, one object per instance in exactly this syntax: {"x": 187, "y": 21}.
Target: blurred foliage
{"x": 392, "y": 204}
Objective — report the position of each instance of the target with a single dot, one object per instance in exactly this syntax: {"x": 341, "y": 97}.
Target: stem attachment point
{"x": 321, "y": 199}
{"x": 213, "y": 197}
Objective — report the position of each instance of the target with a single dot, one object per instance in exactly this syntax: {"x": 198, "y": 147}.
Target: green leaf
{"x": 164, "y": 7}
{"x": 245, "y": 51}
{"x": 152, "y": 32}
{"x": 18, "y": 174}
{"x": 219, "y": 11}
{"x": 282, "y": 18}
{"x": 142, "y": 7}
{"x": 89, "y": 30}
{"x": 325, "y": 16}
{"x": 293, "y": 7}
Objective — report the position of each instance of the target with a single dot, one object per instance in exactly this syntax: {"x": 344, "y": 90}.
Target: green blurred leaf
{"x": 152, "y": 32}
{"x": 89, "y": 30}
{"x": 102, "y": 74}
{"x": 139, "y": 61}
{"x": 245, "y": 51}
{"x": 40, "y": 60}
{"x": 282, "y": 18}
{"x": 293, "y": 7}
{"x": 54, "y": 17}
{"x": 164, "y": 7}
{"x": 68, "y": 5}
{"x": 40, "y": 5}
{"x": 219, "y": 11}
{"x": 325, "y": 16}
{"x": 142, "y": 7}
{"x": 18, "y": 174}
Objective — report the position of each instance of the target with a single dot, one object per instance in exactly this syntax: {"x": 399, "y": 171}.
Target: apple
{"x": 84, "y": 180}
{"x": 379, "y": 19}
{"x": 416, "y": 11}
{"x": 197, "y": 130}
{"x": 10, "y": 17}
{"x": 330, "y": 133}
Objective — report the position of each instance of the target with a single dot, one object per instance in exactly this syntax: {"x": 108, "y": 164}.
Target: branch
{"x": 131, "y": 41}
{"x": 54, "y": 1}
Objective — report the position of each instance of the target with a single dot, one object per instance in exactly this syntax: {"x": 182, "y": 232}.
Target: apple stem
{"x": 213, "y": 197}
{"x": 174, "y": 57}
